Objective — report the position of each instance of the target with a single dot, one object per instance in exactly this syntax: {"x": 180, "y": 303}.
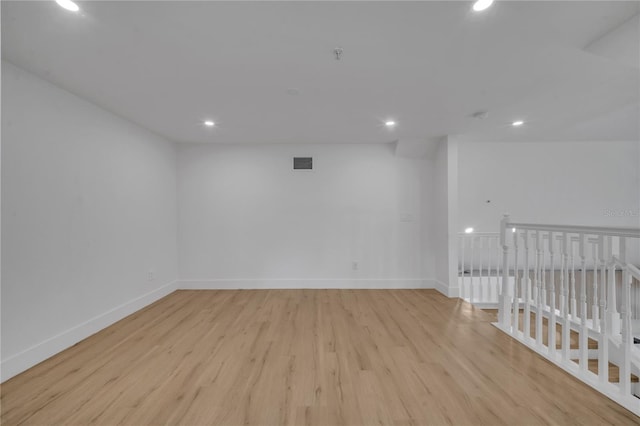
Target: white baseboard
{"x": 254, "y": 284}
{"x": 21, "y": 361}
{"x": 441, "y": 287}
{"x": 446, "y": 290}
{"x": 453, "y": 292}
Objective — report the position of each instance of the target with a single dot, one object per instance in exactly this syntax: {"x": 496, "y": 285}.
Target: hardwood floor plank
{"x": 294, "y": 357}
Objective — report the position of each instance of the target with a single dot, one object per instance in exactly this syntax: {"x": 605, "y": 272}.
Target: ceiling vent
{"x": 302, "y": 163}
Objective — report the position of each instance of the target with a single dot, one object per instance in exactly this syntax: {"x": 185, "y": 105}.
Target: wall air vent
{"x": 302, "y": 163}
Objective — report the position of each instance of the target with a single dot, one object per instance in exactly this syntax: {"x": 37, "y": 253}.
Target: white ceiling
{"x": 428, "y": 65}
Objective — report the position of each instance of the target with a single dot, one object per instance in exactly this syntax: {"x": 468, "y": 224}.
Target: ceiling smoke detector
{"x": 338, "y": 53}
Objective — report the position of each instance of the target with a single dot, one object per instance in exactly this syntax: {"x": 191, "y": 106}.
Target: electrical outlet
{"x": 150, "y": 276}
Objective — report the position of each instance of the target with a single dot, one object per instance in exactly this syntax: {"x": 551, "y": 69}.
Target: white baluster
{"x": 492, "y": 293}
{"x": 574, "y": 304}
{"x": 465, "y": 290}
{"x": 613, "y": 317}
{"x": 603, "y": 343}
{"x": 527, "y": 289}
{"x": 632, "y": 301}
{"x": 584, "y": 333}
{"x": 503, "y": 304}
{"x": 481, "y": 244}
{"x": 551, "y": 329}
{"x": 563, "y": 284}
{"x": 471, "y": 274}
{"x": 487, "y": 288}
{"x": 595, "y": 313}
{"x": 487, "y": 254}
{"x": 516, "y": 276}
{"x": 603, "y": 280}
{"x": 498, "y": 269}
{"x": 627, "y": 340}
{"x": 496, "y": 282}
{"x": 566, "y": 324}
{"x": 543, "y": 274}
{"x": 538, "y": 294}
{"x": 489, "y": 294}
{"x": 534, "y": 255}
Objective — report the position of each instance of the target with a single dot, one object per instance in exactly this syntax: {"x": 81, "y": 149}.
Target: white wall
{"x": 441, "y": 220}
{"x": 88, "y": 208}
{"x": 246, "y": 219}
{"x": 581, "y": 183}
{"x": 446, "y": 216}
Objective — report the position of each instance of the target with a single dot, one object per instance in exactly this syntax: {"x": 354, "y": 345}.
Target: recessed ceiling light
{"x": 517, "y": 123}
{"x": 468, "y": 230}
{"x": 68, "y": 4}
{"x": 390, "y": 123}
{"x": 481, "y": 5}
{"x": 209, "y": 123}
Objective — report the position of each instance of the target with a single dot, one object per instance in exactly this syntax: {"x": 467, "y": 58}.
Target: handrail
{"x": 635, "y": 272}
{"x": 595, "y": 230}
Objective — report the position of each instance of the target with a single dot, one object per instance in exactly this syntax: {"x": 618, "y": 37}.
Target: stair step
{"x": 573, "y": 336}
{"x": 614, "y": 371}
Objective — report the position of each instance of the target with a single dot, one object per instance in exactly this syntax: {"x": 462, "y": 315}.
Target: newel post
{"x": 504, "y": 313}
{"x": 613, "y": 317}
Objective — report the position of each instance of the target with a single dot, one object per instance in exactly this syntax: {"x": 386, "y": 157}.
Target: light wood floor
{"x": 322, "y": 357}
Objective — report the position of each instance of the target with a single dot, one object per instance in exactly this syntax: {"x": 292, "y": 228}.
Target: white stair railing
{"x": 582, "y": 281}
